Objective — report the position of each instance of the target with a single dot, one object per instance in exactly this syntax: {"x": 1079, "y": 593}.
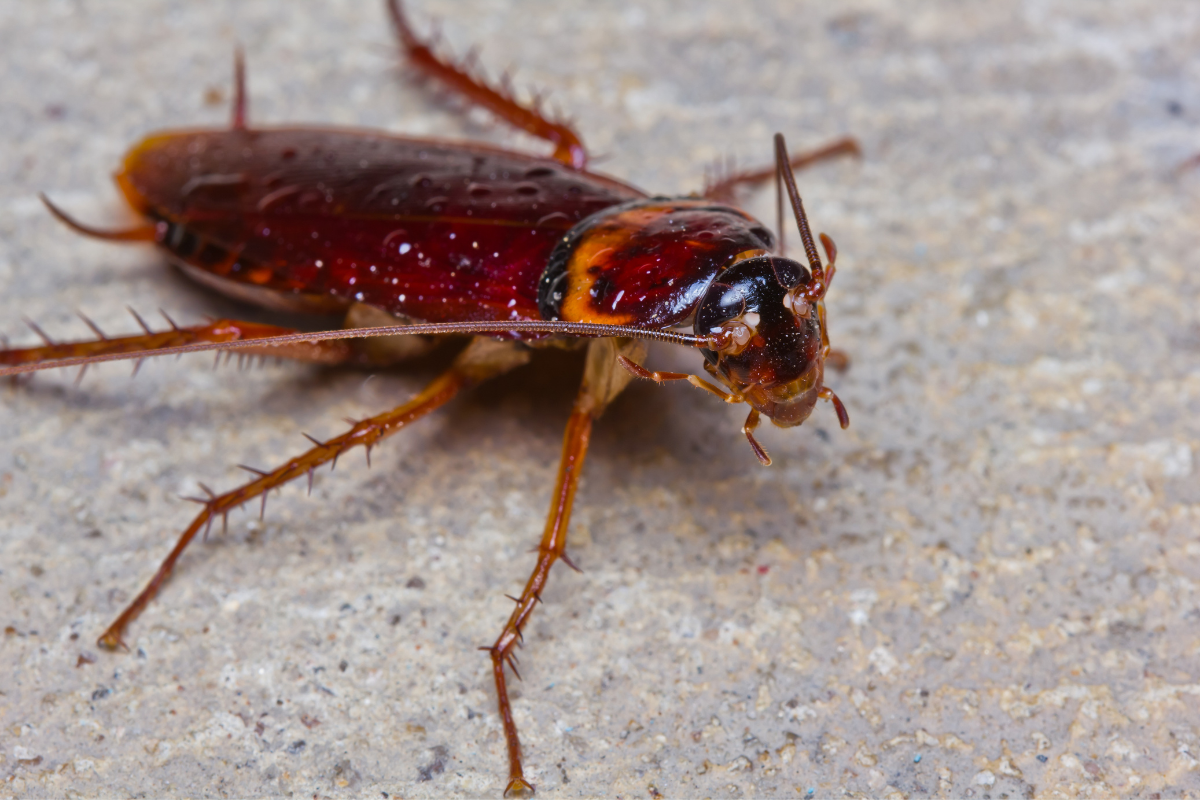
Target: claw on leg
{"x": 518, "y": 787}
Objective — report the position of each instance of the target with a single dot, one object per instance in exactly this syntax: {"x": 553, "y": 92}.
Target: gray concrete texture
{"x": 987, "y": 587}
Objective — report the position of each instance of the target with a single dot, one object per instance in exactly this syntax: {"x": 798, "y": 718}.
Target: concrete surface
{"x": 987, "y": 587}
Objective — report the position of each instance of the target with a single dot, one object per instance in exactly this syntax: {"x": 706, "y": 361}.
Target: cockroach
{"x": 410, "y": 239}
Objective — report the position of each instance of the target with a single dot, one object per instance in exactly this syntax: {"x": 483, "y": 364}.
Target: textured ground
{"x": 989, "y": 586}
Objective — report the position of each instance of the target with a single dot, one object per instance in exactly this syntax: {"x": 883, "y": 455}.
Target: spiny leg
{"x": 552, "y": 547}
{"x": 224, "y": 330}
{"x": 568, "y": 148}
{"x": 483, "y": 359}
{"x": 724, "y": 187}
{"x": 369, "y": 352}
{"x": 601, "y": 383}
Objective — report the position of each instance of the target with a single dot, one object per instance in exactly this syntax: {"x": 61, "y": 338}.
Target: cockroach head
{"x": 766, "y": 314}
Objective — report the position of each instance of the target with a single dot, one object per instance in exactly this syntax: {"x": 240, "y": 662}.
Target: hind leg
{"x": 223, "y": 330}
{"x": 723, "y": 187}
{"x": 376, "y": 351}
{"x": 568, "y": 148}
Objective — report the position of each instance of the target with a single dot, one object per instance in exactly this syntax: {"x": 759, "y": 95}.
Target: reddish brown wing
{"x": 427, "y": 230}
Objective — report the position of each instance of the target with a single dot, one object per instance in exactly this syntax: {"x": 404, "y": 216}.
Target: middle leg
{"x": 602, "y": 382}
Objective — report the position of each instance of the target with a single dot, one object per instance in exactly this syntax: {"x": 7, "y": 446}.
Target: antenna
{"x": 784, "y": 170}
{"x": 495, "y": 328}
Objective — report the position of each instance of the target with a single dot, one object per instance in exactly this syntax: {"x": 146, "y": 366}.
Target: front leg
{"x": 602, "y": 381}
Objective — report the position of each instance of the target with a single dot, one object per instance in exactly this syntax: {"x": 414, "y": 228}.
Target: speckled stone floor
{"x": 987, "y": 587}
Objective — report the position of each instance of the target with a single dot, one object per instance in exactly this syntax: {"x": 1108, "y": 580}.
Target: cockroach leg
{"x": 281, "y": 345}
{"x": 700, "y": 383}
{"x": 728, "y": 398}
{"x": 638, "y": 371}
{"x": 748, "y": 428}
{"x": 377, "y": 351}
{"x": 723, "y": 189}
{"x": 843, "y": 416}
{"x": 332, "y": 352}
{"x": 483, "y": 359}
{"x": 552, "y": 547}
{"x": 846, "y": 146}
{"x": 568, "y": 148}
{"x": 601, "y": 383}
